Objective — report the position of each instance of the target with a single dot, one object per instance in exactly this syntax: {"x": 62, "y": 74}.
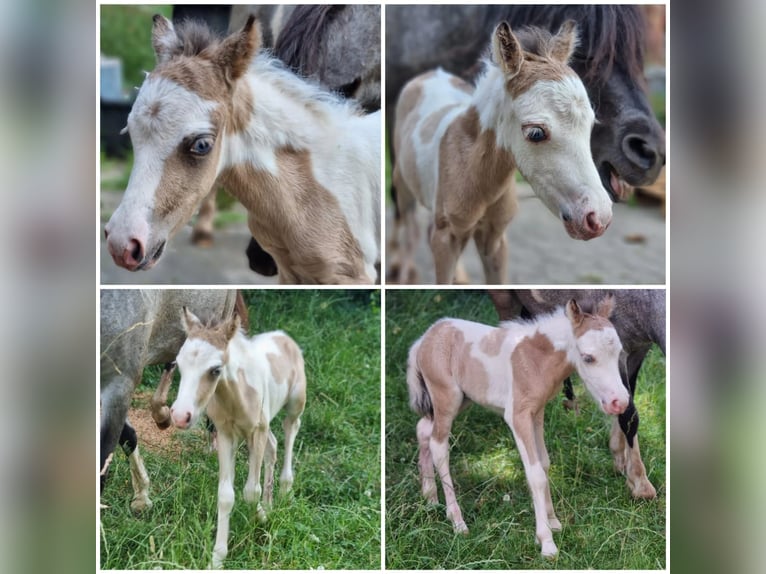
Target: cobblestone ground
{"x": 632, "y": 251}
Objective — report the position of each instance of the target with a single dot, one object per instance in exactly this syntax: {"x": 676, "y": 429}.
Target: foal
{"x": 243, "y": 382}
{"x": 514, "y": 371}
{"x": 304, "y": 163}
{"x": 457, "y": 149}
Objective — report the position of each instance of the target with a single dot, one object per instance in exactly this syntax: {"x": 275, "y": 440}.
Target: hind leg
{"x": 404, "y": 239}
{"x": 270, "y": 459}
{"x": 425, "y": 460}
{"x": 139, "y": 478}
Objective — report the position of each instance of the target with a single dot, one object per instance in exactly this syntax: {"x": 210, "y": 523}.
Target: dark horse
{"x": 338, "y": 46}
{"x": 627, "y": 143}
{"x": 639, "y": 318}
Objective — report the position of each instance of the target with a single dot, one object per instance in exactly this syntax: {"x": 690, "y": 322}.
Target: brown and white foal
{"x": 304, "y": 163}
{"x": 243, "y": 383}
{"x": 513, "y": 370}
{"x": 457, "y": 149}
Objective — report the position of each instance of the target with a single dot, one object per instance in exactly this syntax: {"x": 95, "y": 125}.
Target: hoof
{"x": 549, "y": 550}
{"x": 554, "y": 524}
{"x": 642, "y": 489}
{"x": 261, "y": 515}
{"x": 202, "y": 238}
{"x": 142, "y": 504}
{"x": 460, "y": 528}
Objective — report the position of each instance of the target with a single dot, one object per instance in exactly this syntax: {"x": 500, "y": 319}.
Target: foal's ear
{"x": 565, "y": 41}
{"x": 574, "y": 312}
{"x": 605, "y": 307}
{"x": 232, "y": 327}
{"x": 237, "y": 50}
{"x": 189, "y": 320}
{"x": 164, "y": 39}
{"x": 506, "y": 50}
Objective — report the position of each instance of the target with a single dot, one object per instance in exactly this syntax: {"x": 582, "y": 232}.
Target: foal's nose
{"x": 181, "y": 419}
{"x": 617, "y": 406}
{"x": 593, "y": 226}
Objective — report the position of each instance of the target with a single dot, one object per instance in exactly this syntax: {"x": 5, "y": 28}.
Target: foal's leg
{"x": 226, "y": 452}
{"x": 425, "y": 460}
{"x": 491, "y": 241}
{"x": 402, "y": 260}
{"x": 256, "y": 445}
{"x": 523, "y": 427}
{"x": 450, "y": 399}
{"x": 545, "y": 461}
{"x": 446, "y": 247}
{"x": 270, "y": 458}
{"x": 291, "y": 425}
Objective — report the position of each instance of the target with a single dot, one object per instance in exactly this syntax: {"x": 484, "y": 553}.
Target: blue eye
{"x": 214, "y": 372}
{"x": 202, "y": 145}
{"x": 536, "y": 134}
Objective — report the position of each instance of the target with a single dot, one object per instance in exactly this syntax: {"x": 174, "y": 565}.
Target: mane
{"x": 194, "y": 38}
{"x": 298, "y": 42}
{"x": 309, "y": 92}
{"x": 533, "y": 321}
{"x": 609, "y": 35}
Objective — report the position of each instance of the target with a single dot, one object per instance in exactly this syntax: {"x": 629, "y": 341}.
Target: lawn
{"x": 332, "y": 519}
{"x": 603, "y": 528}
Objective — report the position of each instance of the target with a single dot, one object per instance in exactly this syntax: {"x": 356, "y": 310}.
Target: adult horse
{"x": 627, "y": 142}
{"x": 141, "y": 328}
{"x": 639, "y": 319}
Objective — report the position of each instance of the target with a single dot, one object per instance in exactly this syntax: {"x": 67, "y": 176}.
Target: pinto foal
{"x": 457, "y": 148}
{"x": 513, "y": 370}
{"x": 243, "y": 383}
{"x": 304, "y": 163}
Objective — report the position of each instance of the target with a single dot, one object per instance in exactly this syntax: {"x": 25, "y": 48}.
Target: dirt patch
{"x": 150, "y": 437}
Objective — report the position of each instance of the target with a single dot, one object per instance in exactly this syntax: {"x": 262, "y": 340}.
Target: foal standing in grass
{"x": 243, "y": 383}
{"x": 514, "y": 371}
{"x": 457, "y": 149}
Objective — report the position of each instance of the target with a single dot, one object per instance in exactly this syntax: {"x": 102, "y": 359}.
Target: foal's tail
{"x": 420, "y": 399}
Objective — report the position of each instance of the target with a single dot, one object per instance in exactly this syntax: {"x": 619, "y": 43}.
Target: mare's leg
{"x": 256, "y": 445}
{"x": 138, "y": 475}
{"x": 523, "y": 427}
{"x": 226, "y": 452}
{"x": 446, "y": 408}
{"x": 624, "y": 438}
{"x": 545, "y": 461}
{"x": 202, "y": 233}
{"x": 446, "y": 247}
{"x": 491, "y": 241}
{"x": 425, "y": 460}
{"x": 270, "y": 459}
{"x": 115, "y": 401}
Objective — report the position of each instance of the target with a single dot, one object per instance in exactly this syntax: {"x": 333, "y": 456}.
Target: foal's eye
{"x": 215, "y": 371}
{"x": 589, "y": 359}
{"x": 535, "y": 134}
{"x": 202, "y": 145}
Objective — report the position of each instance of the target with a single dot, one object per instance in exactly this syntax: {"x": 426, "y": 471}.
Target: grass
{"x": 332, "y": 519}
{"x": 603, "y": 527}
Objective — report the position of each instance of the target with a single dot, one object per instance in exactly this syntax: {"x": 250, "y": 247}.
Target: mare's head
{"x": 596, "y": 354}
{"x": 547, "y": 122}
{"x": 201, "y": 362}
{"x": 177, "y": 124}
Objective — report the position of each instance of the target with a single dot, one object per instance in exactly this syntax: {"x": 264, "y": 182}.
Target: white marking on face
{"x": 195, "y": 361}
{"x": 597, "y": 360}
{"x": 163, "y": 114}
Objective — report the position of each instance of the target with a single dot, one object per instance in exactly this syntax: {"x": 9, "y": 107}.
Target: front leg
{"x": 491, "y": 241}
{"x": 522, "y": 425}
{"x": 446, "y": 246}
{"x": 256, "y": 445}
{"x": 226, "y": 452}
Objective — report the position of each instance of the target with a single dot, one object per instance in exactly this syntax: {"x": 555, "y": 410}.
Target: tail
{"x": 420, "y": 399}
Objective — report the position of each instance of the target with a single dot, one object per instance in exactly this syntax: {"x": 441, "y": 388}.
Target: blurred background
{"x": 716, "y": 124}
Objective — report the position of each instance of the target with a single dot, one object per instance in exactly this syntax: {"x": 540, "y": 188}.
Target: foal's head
{"x": 201, "y": 362}
{"x": 546, "y": 120}
{"x": 596, "y": 355}
{"x": 177, "y": 123}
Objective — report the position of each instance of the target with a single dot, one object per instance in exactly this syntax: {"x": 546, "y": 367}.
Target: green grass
{"x": 332, "y": 519}
{"x": 126, "y": 32}
{"x": 603, "y": 527}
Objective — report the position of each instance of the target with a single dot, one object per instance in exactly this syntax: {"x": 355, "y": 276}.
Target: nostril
{"x": 591, "y": 223}
{"x": 640, "y": 151}
{"x": 106, "y": 234}
{"x": 617, "y": 406}
{"x": 188, "y": 418}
